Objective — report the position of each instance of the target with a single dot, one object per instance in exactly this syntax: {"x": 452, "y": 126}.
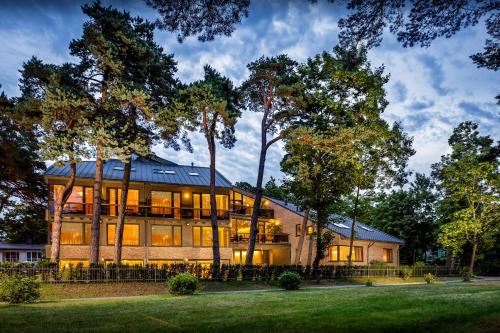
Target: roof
{"x": 151, "y": 169}
{"x": 342, "y": 225}
{"x": 19, "y": 246}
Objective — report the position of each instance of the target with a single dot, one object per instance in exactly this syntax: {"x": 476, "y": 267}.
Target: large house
{"x": 168, "y": 220}
{"x": 20, "y": 252}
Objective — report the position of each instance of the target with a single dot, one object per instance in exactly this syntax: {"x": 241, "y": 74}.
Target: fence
{"x": 111, "y": 273}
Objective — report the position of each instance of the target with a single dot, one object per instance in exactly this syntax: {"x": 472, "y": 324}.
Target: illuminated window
{"x": 88, "y": 233}
{"x": 79, "y": 201}
{"x": 73, "y": 263}
{"x": 166, "y": 235}
{"x": 341, "y": 253}
{"x": 162, "y": 203}
{"x": 202, "y": 236}
{"x": 259, "y": 257}
{"x": 130, "y": 234}
{"x": 114, "y": 198}
{"x": 72, "y": 233}
{"x": 201, "y": 204}
{"x": 387, "y": 255}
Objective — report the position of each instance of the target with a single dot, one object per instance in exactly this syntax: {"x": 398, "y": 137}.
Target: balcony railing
{"x": 261, "y": 238}
{"x": 74, "y": 208}
{"x": 247, "y": 210}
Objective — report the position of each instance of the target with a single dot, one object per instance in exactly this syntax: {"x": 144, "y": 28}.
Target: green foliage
{"x": 429, "y": 278}
{"x": 245, "y": 187}
{"x": 290, "y": 280}
{"x": 24, "y": 224}
{"x": 19, "y": 289}
{"x": 273, "y": 190}
{"x": 182, "y": 284}
{"x": 406, "y": 272}
{"x": 369, "y": 283}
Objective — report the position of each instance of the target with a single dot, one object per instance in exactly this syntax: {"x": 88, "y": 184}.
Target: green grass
{"x": 423, "y": 308}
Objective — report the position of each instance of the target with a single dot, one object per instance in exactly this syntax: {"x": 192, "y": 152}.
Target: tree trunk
{"x": 213, "y": 213}
{"x": 58, "y": 209}
{"x": 351, "y": 240}
{"x": 96, "y": 207}
{"x": 310, "y": 251}
{"x": 298, "y": 251}
{"x": 472, "y": 258}
{"x": 320, "y": 222}
{"x": 122, "y": 209}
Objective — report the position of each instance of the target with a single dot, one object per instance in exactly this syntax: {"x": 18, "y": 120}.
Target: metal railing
{"x": 153, "y": 273}
{"x": 248, "y": 210}
{"x": 261, "y": 238}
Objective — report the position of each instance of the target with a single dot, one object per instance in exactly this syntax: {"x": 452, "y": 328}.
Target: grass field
{"x": 422, "y": 308}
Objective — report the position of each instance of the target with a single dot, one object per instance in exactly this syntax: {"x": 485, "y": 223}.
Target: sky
{"x": 430, "y": 91}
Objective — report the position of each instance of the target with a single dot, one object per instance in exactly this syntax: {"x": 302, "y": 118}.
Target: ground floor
{"x": 361, "y": 309}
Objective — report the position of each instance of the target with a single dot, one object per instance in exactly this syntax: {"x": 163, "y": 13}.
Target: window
{"x": 201, "y": 205}
{"x": 341, "y": 253}
{"x": 73, "y": 263}
{"x": 88, "y": 233}
{"x": 387, "y": 255}
{"x": 202, "y": 236}
{"x": 11, "y": 256}
{"x": 259, "y": 257}
{"x": 130, "y": 234}
{"x": 72, "y": 233}
{"x": 166, "y": 235}
{"x": 162, "y": 203}
{"x": 79, "y": 201}
{"x": 298, "y": 230}
{"x": 33, "y": 256}
{"x": 114, "y": 198}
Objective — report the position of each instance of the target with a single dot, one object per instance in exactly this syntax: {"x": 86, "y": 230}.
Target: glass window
{"x": 11, "y": 256}
{"x": 205, "y": 204}
{"x": 33, "y": 256}
{"x": 161, "y": 202}
{"x": 166, "y": 235}
{"x": 341, "y": 253}
{"x": 197, "y": 206}
{"x": 222, "y": 202}
{"x": 202, "y": 236}
{"x": 130, "y": 234}
{"x": 89, "y": 199}
{"x": 88, "y": 233}
{"x": 115, "y": 196}
{"x": 387, "y": 255}
{"x": 72, "y": 233}
{"x": 75, "y": 201}
{"x": 73, "y": 263}
{"x": 298, "y": 230}
{"x": 259, "y": 257}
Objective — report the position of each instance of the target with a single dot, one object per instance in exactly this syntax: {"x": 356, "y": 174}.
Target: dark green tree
{"x": 24, "y": 223}
{"x": 273, "y": 190}
{"x": 245, "y": 186}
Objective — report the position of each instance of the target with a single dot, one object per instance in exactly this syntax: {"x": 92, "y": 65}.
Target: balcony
{"x": 261, "y": 238}
{"x": 74, "y": 208}
{"x": 247, "y": 210}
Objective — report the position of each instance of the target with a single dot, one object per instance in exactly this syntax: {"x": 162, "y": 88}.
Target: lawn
{"x": 422, "y": 308}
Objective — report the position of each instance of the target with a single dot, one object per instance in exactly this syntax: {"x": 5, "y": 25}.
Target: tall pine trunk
{"x": 351, "y": 240}
{"x": 58, "y": 209}
{"x": 254, "y": 226}
{"x": 213, "y": 212}
{"x": 472, "y": 258}
{"x": 122, "y": 210}
{"x": 96, "y": 207}
{"x": 320, "y": 222}
{"x": 298, "y": 251}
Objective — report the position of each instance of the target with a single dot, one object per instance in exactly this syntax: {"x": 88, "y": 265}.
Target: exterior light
{"x": 186, "y": 195}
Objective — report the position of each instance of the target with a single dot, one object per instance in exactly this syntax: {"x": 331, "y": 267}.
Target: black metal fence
{"x": 111, "y": 273}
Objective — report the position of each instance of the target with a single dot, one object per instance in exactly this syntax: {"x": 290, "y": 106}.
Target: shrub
{"x": 369, "y": 283}
{"x": 406, "y": 272}
{"x": 182, "y": 284}
{"x": 19, "y": 289}
{"x": 289, "y": 280}
{"x": 420, "y": 264}
{"x": 466, "y": 274}
{"x": 430, "y": 278}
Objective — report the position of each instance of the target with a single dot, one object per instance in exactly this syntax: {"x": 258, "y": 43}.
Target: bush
{"x": 430, "y": 278}
{"x": 19, "y": 289}
{"x": 406, "y": 272}
{"x": 369, "y": 283}
{"x": 182, "y": 284}
{"x": 466, "y": 274}
{"x": 290, "y": 280}
{"x": 420, "y": 264}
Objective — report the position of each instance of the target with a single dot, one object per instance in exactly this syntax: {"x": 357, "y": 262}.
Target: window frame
{"x": 82, "y": 228}
{"x": 107, "y": 233}
{"x": 226, "y": 229}
{"x": 172, "y": 208}
{"x": 386, "y": 252}
{"x": 116, "y": 205}
{"x": 10, "y": 256}
{"x": 171, "y": 233}
{"x": 338, "y": 253}
{"x": 298, "y": 230}
{"x": 29, "y": 256}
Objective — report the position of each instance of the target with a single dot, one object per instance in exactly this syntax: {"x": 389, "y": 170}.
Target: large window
{"x": 166, "y": 235}
{"x": 11, "y": 256}
{"x": 202, "y": 236}
{"x": 114, "y": 198}
{"x": 79, "y": 201}
{"x": 72, "y": 233}
{"x": 259, "y": 257}
{"x": 130, "y": 234}
{"x": 201, "y": 205}
{"x": 166, "y": 203}
{"x": 341, "y": 253}
{"x": 33, "y": 256}
{"x": 387, "y": 255}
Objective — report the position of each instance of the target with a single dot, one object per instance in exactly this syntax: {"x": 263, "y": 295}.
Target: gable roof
{"x": 342, "y": 225}
{"x": 20, "y": 246}
{"x": 148, "y": 169}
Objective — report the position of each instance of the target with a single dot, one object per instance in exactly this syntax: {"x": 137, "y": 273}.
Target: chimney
{"x": 192, "y": 164}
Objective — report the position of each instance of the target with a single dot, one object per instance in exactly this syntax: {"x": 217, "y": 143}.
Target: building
{"x": 168, "y": 219}
{"x": 29, "y": 253}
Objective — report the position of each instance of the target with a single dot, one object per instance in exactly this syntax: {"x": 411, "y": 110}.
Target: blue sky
{"x": 430, "y": 90}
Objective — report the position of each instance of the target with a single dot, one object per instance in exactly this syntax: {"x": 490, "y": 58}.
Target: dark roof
{"x": 337, "y": 223}
{"x": 17, "y": 246}
{"x": 146, "y": 169}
